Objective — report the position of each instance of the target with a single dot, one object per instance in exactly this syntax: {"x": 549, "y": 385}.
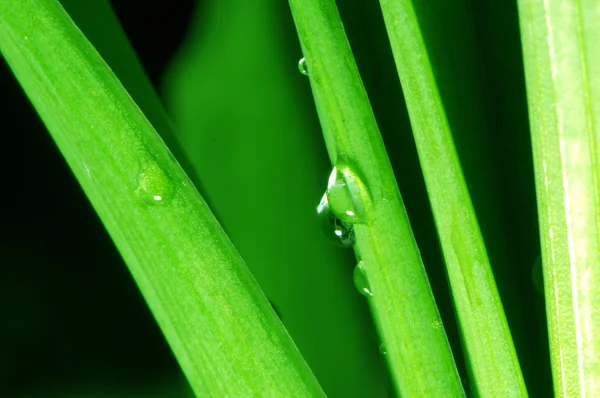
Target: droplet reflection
{"x": 360, "y": 280}
{"x": 340, "y": 232}
{"x": 154, "y": 185}
{"x": 302, "y": 67}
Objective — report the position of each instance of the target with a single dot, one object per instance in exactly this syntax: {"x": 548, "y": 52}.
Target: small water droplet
{"x": 154, "y": 185}
{"x": 340, "y": 232}
{"x": 383, "y": 350}
{"x": 360, "y": 280}
{"x": 436, "y": 324}
{"x": 537, "y": 274}
{"x": 302, "y": 67}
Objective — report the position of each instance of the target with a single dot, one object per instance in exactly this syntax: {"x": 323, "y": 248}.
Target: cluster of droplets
{"x": 340, "y": 209}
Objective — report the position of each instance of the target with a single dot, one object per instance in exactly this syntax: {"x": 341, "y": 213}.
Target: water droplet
{"x": 347, "y": 195}
{"x": 341, "y": 233}
{"x": 436, "y": 324}
{"x": 383, "y": 350}
{"x": 344, "y": 203}
{"x": 537, "y": 274}
{"x": 154, "y": 185}
{"x": 360, "y": 280}
{"x": 302, "y": 67}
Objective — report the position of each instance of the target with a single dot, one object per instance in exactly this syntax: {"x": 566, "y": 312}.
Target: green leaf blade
{"x": 488, "y": 344}
{"x": 192, "y": 277}
{"x": 402, "y": 301}
{"x": 562, "y": 57}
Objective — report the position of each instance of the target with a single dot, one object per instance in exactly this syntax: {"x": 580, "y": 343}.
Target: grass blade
{"x": 222, "y": 329}
{"x": 402, "y": 301}
{"x": 98, "y": 22}
{"x": 493, "y": 362}
{"x": 258, "y": 138}
{"x": 561, "y": 46}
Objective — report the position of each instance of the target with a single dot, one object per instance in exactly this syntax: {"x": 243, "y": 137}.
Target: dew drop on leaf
{"x": 382, "y": 349}
{"x": 155, "y": 187}
{"x": 361, "y": 281}
{"x": 343, "y": 204}
{"x": 302, "y": 67}
{"x": 339, "y": 232}
{"x": 347, "y": 195}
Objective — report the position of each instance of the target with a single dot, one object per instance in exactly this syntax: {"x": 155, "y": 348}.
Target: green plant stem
{"x": 222, "y": 329}
{"x": 493, "y": 362}
{"x": 402, "y": 301}
{"x": 562, "y": 64}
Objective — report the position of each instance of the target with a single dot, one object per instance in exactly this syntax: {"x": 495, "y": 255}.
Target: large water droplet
{"x": 155, "y": 187}
{"x": 340, "y": 232}
{"x": 347, "y": 195}
{"x": 361, "y": 281}
{"x": 344, "y": 203}
{"x": 302, "y": 67}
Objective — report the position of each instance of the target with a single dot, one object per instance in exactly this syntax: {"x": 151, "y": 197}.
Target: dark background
{"x": 73, "y": 319}
{"x": 75, "y": 324}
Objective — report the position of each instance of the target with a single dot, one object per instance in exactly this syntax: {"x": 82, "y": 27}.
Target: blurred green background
{"x": 243, "y": 125}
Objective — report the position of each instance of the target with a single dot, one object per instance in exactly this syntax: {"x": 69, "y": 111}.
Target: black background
{"x": 72, "y": 317}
